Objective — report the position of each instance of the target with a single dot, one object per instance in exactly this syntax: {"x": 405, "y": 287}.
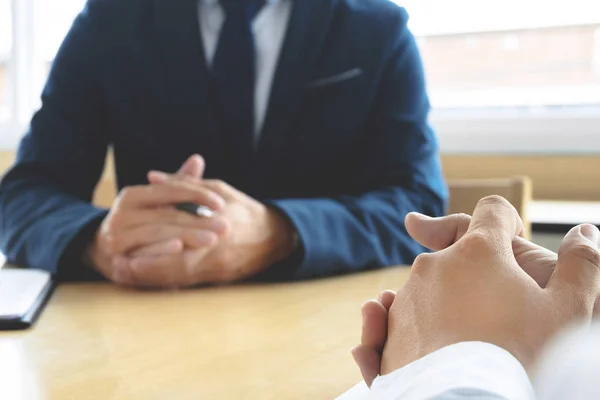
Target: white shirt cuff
{"x": 459, "y": 371}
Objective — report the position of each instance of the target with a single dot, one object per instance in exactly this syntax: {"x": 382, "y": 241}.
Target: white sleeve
{"x": 470, "y": 370}
{"x": 358, "y": 392}
{"x": 569, "y": 368}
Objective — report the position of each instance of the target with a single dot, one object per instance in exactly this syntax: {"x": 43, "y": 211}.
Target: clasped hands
{"x": 145, "y": 242}
{"x": 483, "y": 283}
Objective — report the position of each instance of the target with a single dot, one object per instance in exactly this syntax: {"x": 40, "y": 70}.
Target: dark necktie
{"x": 233, "y": 71}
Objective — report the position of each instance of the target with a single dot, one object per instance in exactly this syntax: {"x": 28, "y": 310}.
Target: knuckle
{"x": 494, "y": 200}
{"x": 422, "y": 263}
{"x": 587, "y": 253}
{"x": 476, "y": 239}
{"x": 474, "y": 244}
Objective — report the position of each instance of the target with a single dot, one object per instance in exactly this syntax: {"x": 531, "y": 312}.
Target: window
{"x": 30, "y": 33}
{"x": 519, "y": 70}
{"x": 5, "y": 56}
{"x": 503, "y": 75}
{"x": 509, "y": 53}
{"x": 52, "y": 22}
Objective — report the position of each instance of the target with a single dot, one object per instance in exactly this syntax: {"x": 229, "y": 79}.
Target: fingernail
{"x": 591, "y": 233}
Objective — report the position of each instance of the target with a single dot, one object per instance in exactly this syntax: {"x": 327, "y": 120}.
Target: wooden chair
{"x": 465, "y": 193}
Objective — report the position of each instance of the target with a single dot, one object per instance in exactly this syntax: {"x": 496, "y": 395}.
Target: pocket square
{"x": 338, "y": 78}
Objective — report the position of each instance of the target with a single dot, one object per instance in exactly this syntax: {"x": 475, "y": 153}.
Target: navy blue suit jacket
{"x": 345, "y": 159}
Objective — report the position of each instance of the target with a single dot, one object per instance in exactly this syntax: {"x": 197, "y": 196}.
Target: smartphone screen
{"x": 23, "y": 295}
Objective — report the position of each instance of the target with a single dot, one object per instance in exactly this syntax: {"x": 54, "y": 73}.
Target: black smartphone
{"x": 23, "y": 295}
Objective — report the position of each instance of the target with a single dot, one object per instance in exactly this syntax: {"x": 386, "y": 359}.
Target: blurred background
{"x": 515, "y": 87}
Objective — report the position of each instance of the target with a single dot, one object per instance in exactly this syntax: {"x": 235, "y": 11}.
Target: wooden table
{"x": 283, "y": 341}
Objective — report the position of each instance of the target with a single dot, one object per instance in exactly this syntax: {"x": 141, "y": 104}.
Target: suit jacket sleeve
{"x": 470, "y": 370}
{"x": 46, "y": 215}
{"x": 400, "y": 173}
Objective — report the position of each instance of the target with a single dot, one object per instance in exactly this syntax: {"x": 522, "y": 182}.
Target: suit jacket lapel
{"x": 307, "y": 30}
{"x": 185, "y": 91}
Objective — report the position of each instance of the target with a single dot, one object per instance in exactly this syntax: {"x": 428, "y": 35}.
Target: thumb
{"x": 577, "y": 273}
{"x": 193, "y": 167}
{"x": 437, "y": 233}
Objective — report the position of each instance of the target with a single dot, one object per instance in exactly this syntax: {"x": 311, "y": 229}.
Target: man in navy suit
{"x": 313, "y": 111}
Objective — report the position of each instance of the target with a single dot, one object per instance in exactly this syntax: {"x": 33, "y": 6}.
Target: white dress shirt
{"x": 269, "y": 26}
{"x": 470, "y": 370}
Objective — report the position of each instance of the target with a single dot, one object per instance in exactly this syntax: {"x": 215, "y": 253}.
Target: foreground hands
{"x": 491, "y": 286}
{"x": 242, "y": 239}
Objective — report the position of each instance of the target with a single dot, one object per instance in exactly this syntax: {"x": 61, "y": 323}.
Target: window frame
{"x": 568, "y": 132}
